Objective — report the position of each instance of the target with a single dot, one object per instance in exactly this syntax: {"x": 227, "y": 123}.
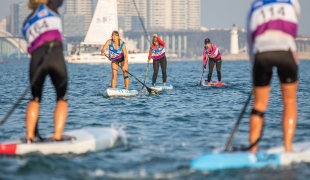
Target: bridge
{"x": 12, "y": 46}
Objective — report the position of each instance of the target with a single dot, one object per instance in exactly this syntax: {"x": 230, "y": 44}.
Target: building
{"x": 128, "y": 17}
{"x": 77, "y": 17}
{"x": 19, "y": 12}
{"x": 159, "y": 14}
{"x": 173, "y": 14}
{"x": 234, "y": 43}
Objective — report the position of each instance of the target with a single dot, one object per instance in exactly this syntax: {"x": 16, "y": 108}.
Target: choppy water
{"x": 161, "y": 134}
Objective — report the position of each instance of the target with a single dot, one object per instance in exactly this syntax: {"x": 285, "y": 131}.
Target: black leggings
{"x": 54, "y": 66}
{"x": 218, "y": 64}
{"x": 163, "y": 64}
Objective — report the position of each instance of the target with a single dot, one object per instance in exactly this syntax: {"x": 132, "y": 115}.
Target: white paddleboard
{"x": 120, "y": 92}
{"x": 162, "y": 88}
{"x": 233, "y": 160}
{"x": 79, "y": 141}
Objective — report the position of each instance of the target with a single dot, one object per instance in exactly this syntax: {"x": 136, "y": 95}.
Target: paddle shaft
{"x": 203, "y": 71}
{"x": 201, "y": 76}
{"x": 146, "y": 72}
{"x": 238, "y": 122}
{"x": 32, "y": 83}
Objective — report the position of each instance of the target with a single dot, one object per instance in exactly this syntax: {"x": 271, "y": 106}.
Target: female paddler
{"x": 272, "y": 29}
{"x": 117, "y": 55}
{"x": 157, "y": 53}
{"x": 42, "y": 30}
{"x": 212, "y": 53}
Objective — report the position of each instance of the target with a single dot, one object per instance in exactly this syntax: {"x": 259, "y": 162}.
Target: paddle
{"x": 237, "y": 123}
{"x": 27, "y": 89}
{"x": 151, "y": 91}
{"x": 146, "y": 72}
{"x": 203, "y": 71}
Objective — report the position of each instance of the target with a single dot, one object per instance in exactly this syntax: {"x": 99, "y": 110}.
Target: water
{"x": 161, "y": 134}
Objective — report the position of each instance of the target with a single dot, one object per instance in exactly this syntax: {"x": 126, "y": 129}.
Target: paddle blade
{"x": 151, "y": 91}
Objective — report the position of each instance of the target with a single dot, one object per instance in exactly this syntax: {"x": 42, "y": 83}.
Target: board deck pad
{"x": 64, "y": 138}
{"x": 120, "y": 92}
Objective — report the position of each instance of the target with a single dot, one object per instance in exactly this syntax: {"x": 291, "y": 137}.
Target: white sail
{"x": 104, "y": 21}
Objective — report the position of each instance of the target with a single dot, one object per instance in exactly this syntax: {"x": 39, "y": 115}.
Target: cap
{"x": 207, "y": 41}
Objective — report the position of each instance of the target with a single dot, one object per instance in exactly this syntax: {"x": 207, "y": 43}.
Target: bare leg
{"x": 289, "y": 117}
{"x": 164, "y": 83}
{"x": 261, "y": 97}
{"x": 126, "y": 80}
{"x": 32, "y": 115}
{"x": 60, "y": 116}
{"x": 114, "y": 74}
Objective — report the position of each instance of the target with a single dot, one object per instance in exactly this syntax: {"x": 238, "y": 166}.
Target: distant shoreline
{"x": 225, "y": 57}
{"x": 237, "y": 57}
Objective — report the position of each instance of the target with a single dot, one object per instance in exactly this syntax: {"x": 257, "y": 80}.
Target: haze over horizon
{"x": 235, "y": 12}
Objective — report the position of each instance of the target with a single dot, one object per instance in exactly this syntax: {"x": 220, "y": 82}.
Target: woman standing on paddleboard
{"x": 42, "y": 30}
{"x": 117, "y": 54}
{"x": 272, "y": 29}
{"x": 157, "y": 53}
{"x": 212, "y": 53}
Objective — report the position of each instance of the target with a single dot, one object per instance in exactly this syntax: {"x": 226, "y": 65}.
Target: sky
{"x": 214, "y": 13}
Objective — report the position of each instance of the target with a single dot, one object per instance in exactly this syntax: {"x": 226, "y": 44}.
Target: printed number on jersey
{"x": 271, "y": 12}
{"x": 43, "y": 25}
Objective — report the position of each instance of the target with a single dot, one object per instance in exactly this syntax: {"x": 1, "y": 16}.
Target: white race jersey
{"x": 272, "y": 25}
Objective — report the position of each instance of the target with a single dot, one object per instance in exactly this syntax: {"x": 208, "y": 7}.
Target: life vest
{"x": 157, "y": 53}
{"x": 116, "y": 54}
{"x": 43, "y": 26}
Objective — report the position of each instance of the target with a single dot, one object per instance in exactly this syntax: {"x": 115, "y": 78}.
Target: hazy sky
{"x": 214, "y": 13}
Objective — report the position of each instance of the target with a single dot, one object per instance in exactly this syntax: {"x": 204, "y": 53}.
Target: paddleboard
{"x": 76, "y": 141}
{"x": 162, "y": 87}
{"x": 120, "y": 92}
{"x": 274, "y": 157}
{"x": 212, "y": 83}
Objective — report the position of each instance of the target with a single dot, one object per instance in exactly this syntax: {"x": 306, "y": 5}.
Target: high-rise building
{"x": 77, "y": 17}
{"x": 19, "y": 12}
{"x": 128, "y": 18}
{"x": 159, "y": 14}
{"x": 173, "y": 14}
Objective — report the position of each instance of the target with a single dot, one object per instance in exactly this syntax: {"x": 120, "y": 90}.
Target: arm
{"x": 125, "y": 67}
{"x": 204, "y": 61}
{"x": 297, "y": 8}
{"x": 105, "y": 47}
{"x": 249, "y": 39}
{"x": 150, "y": 56}
{"x": 161, "y": 42}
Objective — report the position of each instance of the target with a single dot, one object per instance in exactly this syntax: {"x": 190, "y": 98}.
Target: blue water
{"x": 161, "y": 134}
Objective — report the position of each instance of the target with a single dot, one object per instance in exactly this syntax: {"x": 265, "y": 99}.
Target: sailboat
{"x": 104, "y": 21}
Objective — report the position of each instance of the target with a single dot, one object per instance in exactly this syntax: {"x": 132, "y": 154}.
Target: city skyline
{"x": 232, "y": 15}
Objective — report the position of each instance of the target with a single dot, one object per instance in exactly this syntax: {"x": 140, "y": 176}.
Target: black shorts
{"x": 119, "y": 60}
{"x": 264, "y": 62}
{"x": 54, "y": 66}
